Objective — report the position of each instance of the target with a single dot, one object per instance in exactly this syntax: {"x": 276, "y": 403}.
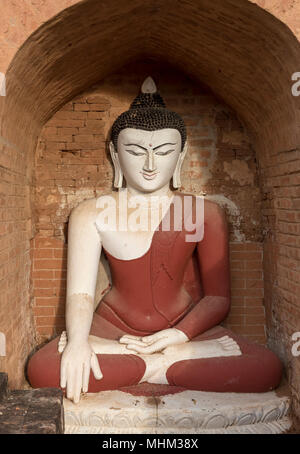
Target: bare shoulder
{"x": 89, "y": 208}
{"x": 106, "y": 198}
{"x": 85, "y": 209}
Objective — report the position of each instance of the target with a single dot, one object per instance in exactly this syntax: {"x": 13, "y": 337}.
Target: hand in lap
{"x": 154, "y": 343}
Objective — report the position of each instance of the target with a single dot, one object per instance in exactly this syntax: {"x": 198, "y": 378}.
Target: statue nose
{"x": 149, "y": 165}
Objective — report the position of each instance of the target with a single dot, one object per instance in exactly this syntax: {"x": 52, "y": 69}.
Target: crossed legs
{"x": 239, "y": 366}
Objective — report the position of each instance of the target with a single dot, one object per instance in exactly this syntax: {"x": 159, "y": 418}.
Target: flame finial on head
{"x": 149, "y": 86}
{"x": 149, "y": 97}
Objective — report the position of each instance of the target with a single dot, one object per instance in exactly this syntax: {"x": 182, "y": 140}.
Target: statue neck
{"x": 164, "y": 191}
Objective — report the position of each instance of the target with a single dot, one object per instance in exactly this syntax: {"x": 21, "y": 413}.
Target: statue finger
{"x": 63, "y": 375}
{"x": 95, "y": 367}
{"x": 70, "y": 384}
{"x": 134, "y": 347}
{"x": 151, "y": 339}
{"x": 77, "y": 385}
{"x": 157, "y": 346}
{"x": 147, "y": 349}
{"x": 86, "y": 377}
{"x": 134, "y": 342}
{"x": 128, "y": 338}
{"x": 62, "y": 344}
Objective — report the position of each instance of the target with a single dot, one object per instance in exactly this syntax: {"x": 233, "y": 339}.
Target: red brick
{"x": 254, "y": 283}
{"x": 234, "y": 319}
{"x": 45, "y": 264}
{"x": 253, "y": 301}
{"x": 45, "y": 292}
{"x": 237, "y": 283}
{"x": 98, "y": 99}
{"x": 47, "y": 283}
{"x": 69, "y": 115}
{"x": 49, "y": 321}
{"x": 49, "y": 131}
{"x": 255, "y": 310}
{"x": 246, "y": 255}
{"x": 253, "y": 265}
{"x": 81, "y": 107}
{"x": 42, "y": 274}
{"x": 49, "y": 301}
{"x": 60, "y": 274}
{"x": 43, "y": 253}
{"x": 254, "y": 320}
{"x": 47, "y": 243}
{"x": 96, "y": 115}
{"x": 45, "y": 330}
{"x": 250, "y": 330}
{"x": 249, "y": 292}
{"x": 43, "y": 311}
{"x": 60, "y": 253}
{"x": 237, "y": 301}
{"x": 84, "y": 138}
{"x": 237, "y": 265}
{"x": 67, "y": 123}
{"x": 67, "y": 131}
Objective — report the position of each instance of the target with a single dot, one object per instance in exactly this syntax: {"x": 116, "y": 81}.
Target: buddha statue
{"x": 160, "y": 321}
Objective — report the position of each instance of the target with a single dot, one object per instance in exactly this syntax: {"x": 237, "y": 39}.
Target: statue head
{"x": 148, "y": 143}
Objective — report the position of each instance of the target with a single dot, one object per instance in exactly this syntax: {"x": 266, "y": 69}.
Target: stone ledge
{"x": 117, "y": 412}
{"x": 36, "y": 411}
{"x": 276, "y": 427}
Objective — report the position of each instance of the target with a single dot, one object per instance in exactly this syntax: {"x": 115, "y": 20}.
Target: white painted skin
{"x": 148, "y": 165}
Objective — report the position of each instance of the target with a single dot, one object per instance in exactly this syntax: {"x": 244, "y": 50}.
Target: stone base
{"x": 195, "y": 412}
{"x": 36, "y": 411}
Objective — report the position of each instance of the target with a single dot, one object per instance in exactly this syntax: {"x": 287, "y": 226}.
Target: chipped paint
{"x": 234, "y": 214}
{"x": 239, "y": 170}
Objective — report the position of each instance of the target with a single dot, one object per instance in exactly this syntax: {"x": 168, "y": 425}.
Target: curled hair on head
{"x": 148, "y": 112}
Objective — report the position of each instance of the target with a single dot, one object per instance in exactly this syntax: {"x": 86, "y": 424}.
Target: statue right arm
{"x": 84, "y": 249}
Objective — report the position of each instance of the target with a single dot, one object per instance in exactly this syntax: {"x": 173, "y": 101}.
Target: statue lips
{"x": 149, "y": 176}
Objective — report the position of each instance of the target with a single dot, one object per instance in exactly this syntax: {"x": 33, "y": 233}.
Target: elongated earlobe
{"x": 176, "y": 174}
{"x": 118, "y": 180}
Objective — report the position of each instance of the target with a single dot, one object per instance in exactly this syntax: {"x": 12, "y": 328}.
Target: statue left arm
{"x": 213, "y": 259}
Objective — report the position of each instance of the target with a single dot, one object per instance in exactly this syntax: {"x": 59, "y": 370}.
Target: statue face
{"x": 148, "y": 158}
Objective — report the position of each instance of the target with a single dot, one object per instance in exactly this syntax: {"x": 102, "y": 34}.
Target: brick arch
{"x": 242, "y": 52}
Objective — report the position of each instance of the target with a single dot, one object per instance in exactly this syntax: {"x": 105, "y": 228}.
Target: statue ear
{"x": 176, "y": 174}
{"x": 118, "y": 180}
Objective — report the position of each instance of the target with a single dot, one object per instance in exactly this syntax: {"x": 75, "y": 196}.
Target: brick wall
{"x": 16, "y": 320}
{"x": 247, "y": 315}
{"x": 49, "y": 280}
{"x": 280, "y": 175}
{"x": 72, "y": 164}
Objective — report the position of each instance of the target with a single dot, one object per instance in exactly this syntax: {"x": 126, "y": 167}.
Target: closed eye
{"x": 163, "y": 153}
{"x": 135, "y": 153}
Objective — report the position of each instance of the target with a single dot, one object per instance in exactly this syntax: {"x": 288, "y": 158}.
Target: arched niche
{"x": 244, "y": 54}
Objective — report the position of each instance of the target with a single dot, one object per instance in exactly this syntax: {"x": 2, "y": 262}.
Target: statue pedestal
{"x": 118, "y": 412}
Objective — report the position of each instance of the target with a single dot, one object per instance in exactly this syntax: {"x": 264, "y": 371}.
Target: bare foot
{"x": 224, "y": 346}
